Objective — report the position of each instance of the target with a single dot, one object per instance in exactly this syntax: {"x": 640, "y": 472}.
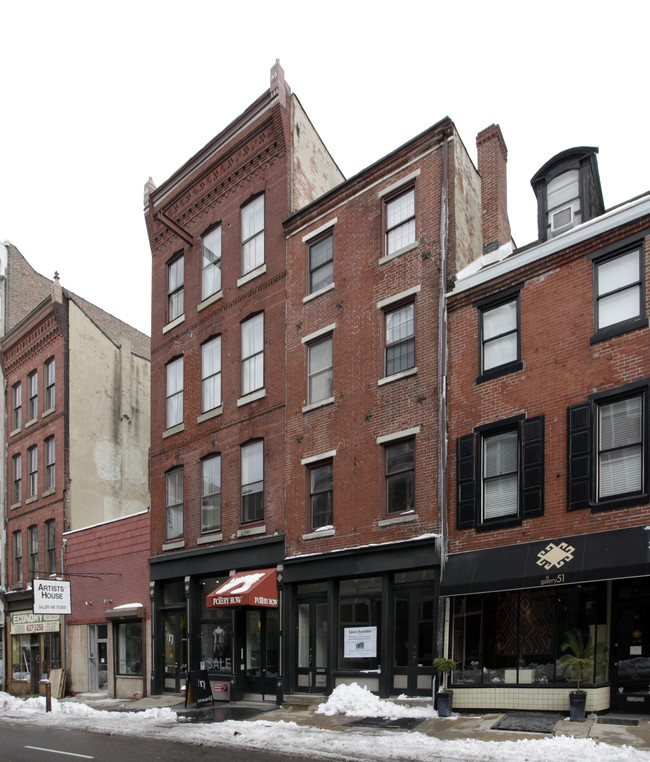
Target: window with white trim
{"x": 252, "y": 481}
{"x": 18, "y": 557}
{"x": 400, "y": 221}
{"x": 400, "y": 339}
{"x": 619, "y": 288}
{"x": 319, "y": 370}
{"x": 211, "y": 494}
{"x": 32, "y": 463}
{"x": 175, "y": 288}
{"x": 32, "y": 386}
{"x": 252, "y": 351}
{"x": 252, "y": 234}
{"x": 17, "y": 404}
{"x": 321, "y": 263}
{"x": 174, "y": 503}
{"x": 50, "y": 546}
{"x": 175, "y": 392}
{"x": 17, "y": 474}
{"x": 32, "y": 538}
{"x": 50, "y": 384}
{"x": 211, "y": 273}
{"x": 50, "y": 463}
{"x": 211, "y": 374}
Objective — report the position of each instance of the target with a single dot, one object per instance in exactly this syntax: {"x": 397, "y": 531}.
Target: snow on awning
{"x": 126, "y": 611}
{"x": 248, "y": 588}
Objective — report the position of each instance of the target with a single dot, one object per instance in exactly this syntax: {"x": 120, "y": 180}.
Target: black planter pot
{"x": 444, "y": 703}
{"x": 577, "y": 703}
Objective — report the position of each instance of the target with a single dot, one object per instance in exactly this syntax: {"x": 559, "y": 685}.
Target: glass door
{"x": 413, "y": 642}
{"x": 312, "y": 646}
{"x": 262, "y": 651}
{"x": 97, "y": 657}
{"x": 175, "y": 650}
{"x": 630, "y": 673}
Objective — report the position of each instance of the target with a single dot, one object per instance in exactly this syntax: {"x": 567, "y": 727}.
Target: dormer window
{"x": 563, "y": 202}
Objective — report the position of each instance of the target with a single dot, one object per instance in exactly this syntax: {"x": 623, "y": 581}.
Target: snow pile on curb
{"x": 354, "y": 701}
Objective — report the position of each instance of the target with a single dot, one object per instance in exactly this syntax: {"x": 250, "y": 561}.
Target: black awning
{"x": 561, "y": 561}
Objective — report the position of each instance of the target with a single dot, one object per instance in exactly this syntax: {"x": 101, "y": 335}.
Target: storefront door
{"x": 175, "y": 650}
{"x": 312, "y": 646}
{"x": 262, "y": 652}
{"x": 412, "y": 667}
{"x": 630, "y": 671}
{"x": 97, "y": 657}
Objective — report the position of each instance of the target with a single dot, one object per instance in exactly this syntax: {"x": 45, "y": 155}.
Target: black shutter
{"x": 533, "y": 467}
{"x": 579, "y": 467}
{"x": 466, "y": 492}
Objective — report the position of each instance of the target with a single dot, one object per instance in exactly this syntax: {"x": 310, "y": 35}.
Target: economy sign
{"x": 52, "y": 596}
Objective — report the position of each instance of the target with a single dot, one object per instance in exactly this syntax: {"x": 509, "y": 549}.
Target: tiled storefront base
{"x": 534, "y": 699}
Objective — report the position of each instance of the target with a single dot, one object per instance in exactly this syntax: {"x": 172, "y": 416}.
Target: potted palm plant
{"x": 444, "y": 696}
{"x": 578, "y": 658}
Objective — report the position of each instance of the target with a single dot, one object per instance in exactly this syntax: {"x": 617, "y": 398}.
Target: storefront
{"x": 362, "y": 615}
{"x": 526, "y": 622}
{"x": 218, "y": 610}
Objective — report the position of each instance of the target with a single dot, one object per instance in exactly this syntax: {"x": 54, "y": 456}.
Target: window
{"x": 32, "y": 385}
{"x": 211, "y": 374}
{"x": 319, "y": 370}
{"x": 17, "y": 492}
{"x": 619, "y": 291}
{"x": 50, "y": 386}
{"x": 174, "y": 503}
{"x": 608, "y": 449}
{"x": 400, "y": 339}
{"x": 400, "y": 476}
{"x": 252, "y": 234}
{"x": 505, "y": 484}
{"x": 252, "y": 482}
{"x": 175, "y": 392}
{"x": 129, "y": 648}
{"x": 211, "y": 275}
{"x": 211, "y": 494}
{"x": 175, "y": 288}
{"x": 18, "y": 558}
{"x": 17, "y": 403}
{"x": 252, "y": 350}
{"x": 32, "y": 463}
{"x": 50, "y": 540}
{"x": 499, "y": 342}
{"x": 400, "y": 221}
{"x": 32, "y": 534}
{"x": 563, "y": 202}
{"x": 321, "y": 492}
{"x": 50, "y": 463}
{"x": 321, "y": 263}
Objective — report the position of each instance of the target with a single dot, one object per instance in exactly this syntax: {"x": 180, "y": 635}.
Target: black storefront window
{"x": 216, "y": 630}
{"x": 360, "y": 624}
{"x": 520, "y": 637}
{"x": 129, "y": 648}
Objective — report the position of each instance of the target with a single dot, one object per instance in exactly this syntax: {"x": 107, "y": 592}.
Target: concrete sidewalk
{"x": 302, "y": 711}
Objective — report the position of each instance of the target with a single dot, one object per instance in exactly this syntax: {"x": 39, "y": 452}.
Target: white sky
{"x": 97, "y": 97}
{"x": 314, "y": 743}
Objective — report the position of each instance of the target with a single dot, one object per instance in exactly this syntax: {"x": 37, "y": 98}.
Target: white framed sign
{"x": 52, "y": 596}
{"x": 359, "y": 642}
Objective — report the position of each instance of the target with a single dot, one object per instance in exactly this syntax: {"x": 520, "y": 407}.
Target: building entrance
{"x": 175, "y": 650}
{"x": 630, "y": 668}
{"x": 260, "y": 656}
{"x": 312, "y": 645}
{"x": 413, "y": 642}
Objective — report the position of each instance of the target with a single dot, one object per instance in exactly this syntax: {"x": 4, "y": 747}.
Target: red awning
{"x": 247, "y": 588}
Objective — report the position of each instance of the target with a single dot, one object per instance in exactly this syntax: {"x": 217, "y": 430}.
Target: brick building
{"x": 218, "y": 390}
{"x": 548, "y": 464}
{"x": 367, "y": 269}
{"x": 77, "y": 433}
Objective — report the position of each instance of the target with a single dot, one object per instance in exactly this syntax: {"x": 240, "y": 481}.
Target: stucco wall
{"x": 467, "y": 198}
{"x": 109, "y": 425}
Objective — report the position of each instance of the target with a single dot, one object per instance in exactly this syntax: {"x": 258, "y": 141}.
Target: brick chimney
{"x": 492, "y": 163}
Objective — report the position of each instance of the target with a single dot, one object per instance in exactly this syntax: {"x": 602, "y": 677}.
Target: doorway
{"x": 413, "y": 642}
{"x": 175, "y": 650}
{"x": 261, "y": 653}
{"x": 312, "y": 646}
{"x": 630, "y": 667}
{"x": 98, "y": 657}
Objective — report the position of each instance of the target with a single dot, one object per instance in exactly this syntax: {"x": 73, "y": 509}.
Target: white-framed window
{"x": 129, "y": 650}
{"x": 211, "y": 374}
{"x": 321, "y": 494}
{"x": 211, "y": 494}
{"x": 620, "y": 447}
{"x": 211, "y": 274}
{"x": 563, "y": 202}
{"x": 32, "y": 463}
{"x": 174, "y": 503}
{"x": 50, "y": 463}
{"x": 500, "y": 474}
{"x": 50, "y": 545}
{"x": 32, "y": 539}
{"x": 17, "y": 474}
{"x": 252, "y": 481}
{"x": 32, "y": 385}
{"x": 400, "y": 339}
{"x": 50, "y": 384}
{"x": 252, "y": 351}
{"x": 17, "y": 405}
{"x": 399, "y": 459}
{"x": 400, "y": 221}
{"x": 619, "y": 288}
{"x": 18, "y": 557}
{"x": 320, "y": 370}
{"x": 175, "y": 392}
{"x": 252, "y": 234}
{"x": 321, "y": 263}
{"x": 175, "y": 288}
